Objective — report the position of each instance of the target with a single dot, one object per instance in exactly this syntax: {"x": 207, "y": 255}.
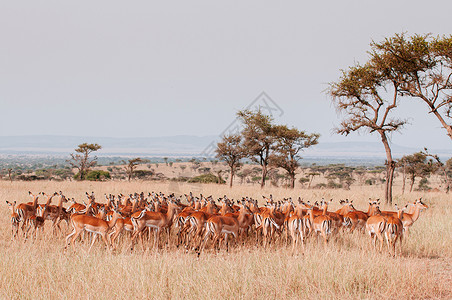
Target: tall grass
{"x": 347, "y": 268}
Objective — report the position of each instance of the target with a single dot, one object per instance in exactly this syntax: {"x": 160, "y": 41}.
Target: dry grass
{"x": 347, "y": 268}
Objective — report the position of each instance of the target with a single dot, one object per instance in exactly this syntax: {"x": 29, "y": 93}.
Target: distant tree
{"x": 81, "y": 161}
{"x": 131, "y": 165}
{"x": 303, "y": 180}
{"x": 166, "y": 160}
{"x": 417, "y": 166}
{"x": 443, "y": 167}
{"x": 231, "y": 150}
{"x": 289, "y": 142}
{"x": 258, "y": 138}
{"x": 422, "y": 67}
{"x": 311, "y": 176}
{"x": 366, "y": 95}
{"x": 10, "y": 171}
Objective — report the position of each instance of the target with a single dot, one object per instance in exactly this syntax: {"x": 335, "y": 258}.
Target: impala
{"x": 27, "y": 210}
{"x": 394, "y": 231}
{"x": 376, "y": 225}
{"x": 295, "y": 226}
{"x": 15, "y": 218}
{"x": 408, "y": 219}
{"x": 156, "y": 220}
{"x": 55, "y": 212}
{"x": 216, "y": 226}
{"x": 81, "y": 223}
{"x": 321, "y": 224}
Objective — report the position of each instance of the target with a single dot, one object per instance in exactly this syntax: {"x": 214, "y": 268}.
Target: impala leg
{"x": 75, "y": 237}
{"x": 107, "y": 240}
{"x": 92, "y": 243}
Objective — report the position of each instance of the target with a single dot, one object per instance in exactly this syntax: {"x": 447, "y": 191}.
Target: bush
{"x": 333, "y": 185}
{"x": 423, "y": 185}
{"x": 206, "y": 178}
{"x": 369, "y": 182}
{"x": 180, "y": 179}
{"x": 97, "y": 175}
{"x": 320, "y": 186}
{"x": 143, "y": 174}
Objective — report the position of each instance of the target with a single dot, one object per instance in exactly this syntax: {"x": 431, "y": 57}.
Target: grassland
{"x": 347, "y": 268}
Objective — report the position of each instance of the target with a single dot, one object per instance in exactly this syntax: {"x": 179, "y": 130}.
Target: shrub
{"x": 97, "y": 175}
{"x": 369, "y": 182}
{"x": 320, "y": 186}
{"x": 333, "y": 185}
{"x": 207, "y": 178}
{"x": 143, "y": 174}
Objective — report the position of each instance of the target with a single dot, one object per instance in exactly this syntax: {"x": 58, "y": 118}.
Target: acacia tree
{"x": 258, "y": 138}
{"x": 82, "y": 161}
{"x": 289, "y": 142}
{"x": 441, "y": 166}
{"x": 231, "y": 150}
{"x": 417, "y": 166}
{"x": 422, "y": 66}
{"x": 132, "y": 164}
{"x": 366, "y": 95}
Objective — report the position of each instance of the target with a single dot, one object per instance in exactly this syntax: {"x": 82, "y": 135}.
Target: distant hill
{"x": 185, "y": 145}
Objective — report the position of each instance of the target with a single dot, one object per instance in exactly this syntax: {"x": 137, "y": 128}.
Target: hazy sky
{"x": 142, "y": 69}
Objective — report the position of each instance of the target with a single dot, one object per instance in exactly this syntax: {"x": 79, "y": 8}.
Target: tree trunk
{"x": 412, "y": 183}
{"x": 390, "y": 167}
{"x": 310, "y": 181}
{"x": 292, "y": 180}
{"x": 403, "y": 178}
{"x": 264, "y": 175}
{"x": 232, "y": 177}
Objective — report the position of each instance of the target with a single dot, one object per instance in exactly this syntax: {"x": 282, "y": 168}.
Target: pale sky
{"x": 142, "y": 69}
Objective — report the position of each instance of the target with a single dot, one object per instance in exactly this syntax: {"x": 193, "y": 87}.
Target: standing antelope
{"x": 27, "y": 210}
{"x": 321, "y": 224}
{"x": 376, "y": 225}
{"x": 408, "y": 219}
{"x": 295, "y": 226}
{"x": 91, "y": 224}
{"x": 156, "y": 220}
{"x": 15, "y": 218}
{"x": 393, "y": 230}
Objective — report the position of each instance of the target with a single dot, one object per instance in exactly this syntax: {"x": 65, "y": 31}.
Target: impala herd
{"x": 204, "y": 221}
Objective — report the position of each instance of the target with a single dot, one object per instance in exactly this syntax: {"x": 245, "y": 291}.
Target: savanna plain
{"x": 347, "y": 268}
